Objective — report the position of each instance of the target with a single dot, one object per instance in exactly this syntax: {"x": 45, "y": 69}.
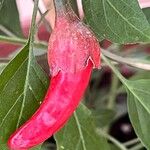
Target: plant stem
{"x": 123, "y": 80}
{"x": 112, "y": 139}
{"x": 43, "y": 45}
{"x": 60, "y": 6}
{"x": 19, "y": 41}
{"x": 132, "y": 142}
{"x": 47, "y": 26}
{"x": 112, "y": 94}
{"x": 118, "y": 74}
{"x": 105, "y": 65}
{"x": 128, "y": 61}
{"x": 6, "y": 31}
{"x": 137, "y": 147}
{"x": 64, "y": 10}
{"x": 13, "y": 40}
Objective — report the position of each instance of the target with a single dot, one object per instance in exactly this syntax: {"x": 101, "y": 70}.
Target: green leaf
{"x": 114, "y": 147}
{"x": 147, "y": 13}
{"x": 140, "y": 75}
{"x": 139, "y": 108}
{"x": 79, "y": 133}
{"x": 22, "y": 87}
{"x": 9, "y": 19}
{"x": 138, "y": 104}
{"x": 103, "y": 116}
{"x": 119, "y": 21}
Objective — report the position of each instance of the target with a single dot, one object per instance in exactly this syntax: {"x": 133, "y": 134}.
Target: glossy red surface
{"x": 72, "y": 53}
{"x": 62, "y": 98}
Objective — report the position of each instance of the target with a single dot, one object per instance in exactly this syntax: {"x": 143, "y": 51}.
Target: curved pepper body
{"x": 72, "y": 53}
{"x": 62, "y": 98}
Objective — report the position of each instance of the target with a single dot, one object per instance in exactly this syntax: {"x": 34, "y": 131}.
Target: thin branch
{"x": 19, "y": 41}
{"x": 113, "y": 93}
{"x": 103, "y": 64}
{"x": 132, "y": 142}
{"x": 13, "y": 40}
{"x": 43, "y": 19}
{"x": 112, "y": 139}
{"x": 48, "y": 28}
{"x": 6, "y": 31}
{"x": 128, "y": 61}
{"x": 137, "y": 147}
{"x": 114, "y": 57}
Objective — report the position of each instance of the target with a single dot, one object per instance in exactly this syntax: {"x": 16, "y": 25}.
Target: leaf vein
{"x": 126, "y": 20}
{"x": 80, "y": 131}
{"x": 10, "y": 109}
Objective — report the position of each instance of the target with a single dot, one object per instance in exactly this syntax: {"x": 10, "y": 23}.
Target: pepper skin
{"x": 62, "y": 98}
{"x": 72, "y": 54}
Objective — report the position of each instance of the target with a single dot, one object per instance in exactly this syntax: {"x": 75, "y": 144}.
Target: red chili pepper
{"x": 73, "y": 52}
